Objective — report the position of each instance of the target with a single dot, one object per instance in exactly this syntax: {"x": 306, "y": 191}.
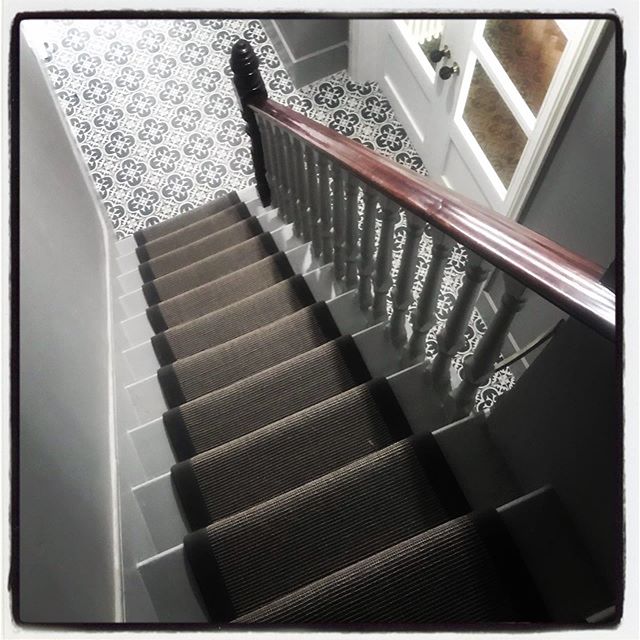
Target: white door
{"x": 485, "y": 129}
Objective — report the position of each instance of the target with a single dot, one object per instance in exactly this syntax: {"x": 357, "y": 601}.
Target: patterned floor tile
{"x": 152, "y": 106}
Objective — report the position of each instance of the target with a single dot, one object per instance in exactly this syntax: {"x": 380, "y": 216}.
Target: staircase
{"x": 286, "y": 452}
{"x": 295, "y": 475}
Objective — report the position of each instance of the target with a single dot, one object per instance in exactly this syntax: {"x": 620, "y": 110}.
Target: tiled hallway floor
{"x": 152, "y": 107}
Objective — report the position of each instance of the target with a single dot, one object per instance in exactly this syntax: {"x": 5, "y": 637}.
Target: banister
{"x": 564, "y": 278}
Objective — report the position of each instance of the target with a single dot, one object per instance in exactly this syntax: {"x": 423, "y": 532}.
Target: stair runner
{"x": 308, "y": 498}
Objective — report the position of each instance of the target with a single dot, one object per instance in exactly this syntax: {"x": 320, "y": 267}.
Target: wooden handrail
{"x": 564, "y": 278}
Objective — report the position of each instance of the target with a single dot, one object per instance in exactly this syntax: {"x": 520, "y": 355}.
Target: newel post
{"x": 251, "y": 91}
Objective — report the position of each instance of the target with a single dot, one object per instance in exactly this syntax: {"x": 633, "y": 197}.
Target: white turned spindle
{"x": 451, "y": 337}
{"x": 402, "y": 293}
{"x": 325, "y": 209}
{"x": 294, "y": 177}
{"x": 478, "y": 367}
{"x": 424, "y": 316}
{"x": 286, "y": 194}
{"x": 305, "y": 211}
{"x": 367, "y": 248}
{"x": 390, "y": 216}
{"x": 314, "y": 199}
{"x": 339, "y": 222}
{"x": 351, "y": 232}
{"x": 269, "y": 157}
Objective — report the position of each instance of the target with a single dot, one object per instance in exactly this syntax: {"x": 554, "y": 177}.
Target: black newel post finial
{"x": 251, "y": 91}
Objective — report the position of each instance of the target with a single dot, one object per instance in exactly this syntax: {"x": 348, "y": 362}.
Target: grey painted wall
{"x": 66, "y": 540}
{"x": 310, "y": 49}
{"x": 573, "y": 201}
{"x": 560, "y": 426}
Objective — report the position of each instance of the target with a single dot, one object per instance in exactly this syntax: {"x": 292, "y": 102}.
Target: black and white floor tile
{"x": 152, "y": 106}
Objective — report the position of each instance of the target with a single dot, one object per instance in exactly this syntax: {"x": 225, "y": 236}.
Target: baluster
{"x": 402, "y": 293}
{"x": 351, "y": 235}
{"x": 325, "y": 209}
{"x": 270, "y": 167}
{"x": 424, "y": 316}
{"x": 314, "y": 199}
{"x": 305, "y": 210}
{"x": 286, "y": 196}
{"x": 296, "y": 177}
{"x": 478, "y": 367}
{"x": 339, "y": 222}
{"x": 251, "y": 90}
{"x": 268, "y": 172}
{"x": 451, "y": 338}
{"x": 390, "y": 216}
{"x": 367, "y": 248}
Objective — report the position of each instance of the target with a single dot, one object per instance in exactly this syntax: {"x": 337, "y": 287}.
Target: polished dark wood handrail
{"x": 566, "y": 279}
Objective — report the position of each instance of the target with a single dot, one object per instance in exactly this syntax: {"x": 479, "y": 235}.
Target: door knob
{"x": 446, "y": 72}
{"x": 437, "y": 54}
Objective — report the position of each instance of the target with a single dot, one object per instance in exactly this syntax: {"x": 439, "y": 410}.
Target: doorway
{"x": 481, "y": 99}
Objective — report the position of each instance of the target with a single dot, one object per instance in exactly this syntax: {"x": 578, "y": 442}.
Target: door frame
{"x": 366, "y": 64}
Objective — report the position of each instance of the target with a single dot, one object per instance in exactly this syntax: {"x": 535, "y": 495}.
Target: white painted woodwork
{"x": 339, "y": 221}
{"x": 325, "y": 208}
{"x": 451, "y": 337}
{"x": 424, "y": 315}
{"x": 367, "y": 248}
{"x": 478, "y": 367}
{"x": 390, "y": 216}
{"x": 146, "y": 396}
{"x": 430, "y": 109}
{"x": 402, "y": 293}
{"x": 351, "y": 232}
{"x": 133, "y": 303}
{"x": 137, "y": 328}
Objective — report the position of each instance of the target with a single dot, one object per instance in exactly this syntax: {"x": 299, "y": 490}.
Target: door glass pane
{"x": 493, "y": 125}
{"x": 529, "y": 51}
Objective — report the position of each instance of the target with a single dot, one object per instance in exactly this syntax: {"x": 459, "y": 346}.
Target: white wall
{"x": 66, "y": 569}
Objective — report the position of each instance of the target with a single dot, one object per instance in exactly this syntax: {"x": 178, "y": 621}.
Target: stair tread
{"x": 180, "y": 237}
{"x": 444, "y": 575}
{"x": 208, "y": 269}
{"x": 184, "y": 219}
{"x": 267, "y": 551}
{"x": 289, "y": 453}
{"x": 199, "y": 249}
{"x": 264, "y": 397}
{"x": 188, "y": 343}
{"x": 219, "y": 293}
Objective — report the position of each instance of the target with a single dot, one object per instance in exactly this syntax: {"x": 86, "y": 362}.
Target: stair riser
{"x": 170, "y": 588}
{"x": 146, "y": 397}
{"x": 160, "y": 510}
{"x": 137, "y": 329}
{"x": 154, "y": 450}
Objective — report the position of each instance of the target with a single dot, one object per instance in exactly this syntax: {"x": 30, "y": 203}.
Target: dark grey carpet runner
{"x": 192, "y": 232}
{"x": 241, "y": 317}
{"x": 452, "y": 574}
{"x": 185, "y": 219}
{"x": 208, "y": 269}
{"x": 265, "y": 552}
{"x": 199, "y": 249}
{"x": 309, "y": 500}
{"x": 264, "y": 397}
{"x": 219, "y": 293}
{"x": 288, "y": 453}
